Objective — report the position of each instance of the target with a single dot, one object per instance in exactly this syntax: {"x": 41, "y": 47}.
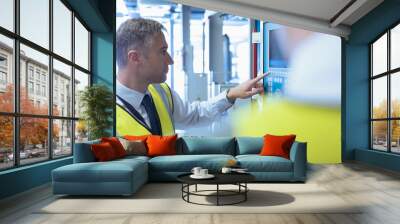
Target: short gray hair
{"x": 135, "y": 34}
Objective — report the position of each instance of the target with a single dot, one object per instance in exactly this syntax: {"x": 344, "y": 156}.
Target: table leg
{"x": 182, "y": 188}
{"x": 196, "y": 188}
{"x": 188, "y": 189}
{"x": 245, "y": 193}
{"x": 217, "y": 194}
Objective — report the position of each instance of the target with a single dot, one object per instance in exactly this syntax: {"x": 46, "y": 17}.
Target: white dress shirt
{"x": 185, "y": 114}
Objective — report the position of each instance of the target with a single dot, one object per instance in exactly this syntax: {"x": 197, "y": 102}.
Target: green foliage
{"x": 97, "y": 102}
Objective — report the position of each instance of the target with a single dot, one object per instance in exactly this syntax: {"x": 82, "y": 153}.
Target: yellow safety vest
{"x": 127, "y": 124}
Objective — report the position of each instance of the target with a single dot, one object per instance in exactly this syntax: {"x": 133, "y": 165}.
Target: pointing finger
{"x": 258, "y": 78}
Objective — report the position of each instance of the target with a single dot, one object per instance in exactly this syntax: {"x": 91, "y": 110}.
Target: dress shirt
{"x": 184, "y": 114}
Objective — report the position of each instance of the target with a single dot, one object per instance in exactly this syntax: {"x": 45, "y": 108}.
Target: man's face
{"x": 157, "y": 60}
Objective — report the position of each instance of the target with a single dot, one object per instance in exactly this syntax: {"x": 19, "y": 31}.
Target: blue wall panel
{"x": 377, "y": 158}
{"x": 357, "y": 99}
{"x": 24, "y": 178}
{"x": 102, "y": 58}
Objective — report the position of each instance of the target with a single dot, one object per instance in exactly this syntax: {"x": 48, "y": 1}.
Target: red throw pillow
{"x": 103, "y": 152}
{"x": 116, "y": 145}
{"x": 277, "y": 145}
{"x": 161, "y": 145}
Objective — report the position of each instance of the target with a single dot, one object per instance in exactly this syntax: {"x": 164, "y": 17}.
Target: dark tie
{"x": 152, "y": 114}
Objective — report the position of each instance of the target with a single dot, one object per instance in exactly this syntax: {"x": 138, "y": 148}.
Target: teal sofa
{"x": 125, "y": 176}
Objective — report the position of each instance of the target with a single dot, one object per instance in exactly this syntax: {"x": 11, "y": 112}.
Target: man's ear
{"x": 134, "y": 56}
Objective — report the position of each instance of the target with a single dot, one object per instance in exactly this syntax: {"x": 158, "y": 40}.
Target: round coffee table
{"x": 238, "y": 179}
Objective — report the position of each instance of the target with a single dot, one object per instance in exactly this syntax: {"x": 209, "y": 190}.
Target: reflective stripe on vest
{"x": 129, "y": 125}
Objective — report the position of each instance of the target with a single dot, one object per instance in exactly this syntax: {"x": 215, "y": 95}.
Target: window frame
{"x": 16, "y": 115}
{"x": 388, "y": 74}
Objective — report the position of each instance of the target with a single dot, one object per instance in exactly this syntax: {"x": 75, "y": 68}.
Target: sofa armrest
{"x": 298, "y": 155}
{"x": 83, "y": 152}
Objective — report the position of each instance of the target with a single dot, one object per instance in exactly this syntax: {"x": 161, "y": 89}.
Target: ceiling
{"x": 325, "y": 16}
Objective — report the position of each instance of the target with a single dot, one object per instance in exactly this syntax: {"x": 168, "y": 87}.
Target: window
{"x": 3, "y": 78}
{"x": 81, "y": 81}
{"x": 64, "y": 140}
{"x": 3, "y": 61}
{"x": 38, "y": 89}
{"x": 62, "y": 29}
{"x": 30, "y": 72}
{"x": 34, "y": 25}
{"x": 7, "y": 85}
{"x": 385, "y": 91}
{"x": 30, "y": 87}
{"x": 54, "y": 125}
{"x": 38, "y": 74}
{"x": 81, "y": 45}
{"x": 43, "y": 90}
{"x": 62, "y": 75}
{"x": 3, "y": 71}
{"x": 43, "y": 77}
{"x": 7, "y": 14}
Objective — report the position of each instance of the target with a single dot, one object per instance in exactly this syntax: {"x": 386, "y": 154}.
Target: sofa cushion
{"x": 257, "y": 163}
{"x": 116, "y": 145}
{"x": 206, "y": 145}
{"x": 112, "y": 171}
{"x": 103, "y": 152}
{"x": 134, "y": 147}
{"x": 185, "y": 163}
{"x": 275, "y": 145}
{"x": 249, "y": 145}
{"x": 131, "y": 158}
{"x": 161, "y": 145}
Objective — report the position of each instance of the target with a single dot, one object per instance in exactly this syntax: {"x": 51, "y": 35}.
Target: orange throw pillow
{"x": 277, "y": 145}
{"x": 103, "y": 152}
{"x": 116, "y": 145}
{"x": 161, "y": 145}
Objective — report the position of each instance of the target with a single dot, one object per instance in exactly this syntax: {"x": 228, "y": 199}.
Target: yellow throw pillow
{"x": 134, "y": 147}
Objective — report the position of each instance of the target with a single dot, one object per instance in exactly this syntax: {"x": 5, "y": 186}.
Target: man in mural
{"x": 145, "y": 104}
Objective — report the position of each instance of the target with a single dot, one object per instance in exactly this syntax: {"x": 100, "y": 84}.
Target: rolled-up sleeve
{"x": 199, "y": 113}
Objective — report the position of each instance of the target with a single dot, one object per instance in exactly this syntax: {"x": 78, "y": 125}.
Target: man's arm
{"x": 198, "y": 113}
{"x": 186, "y": 114}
